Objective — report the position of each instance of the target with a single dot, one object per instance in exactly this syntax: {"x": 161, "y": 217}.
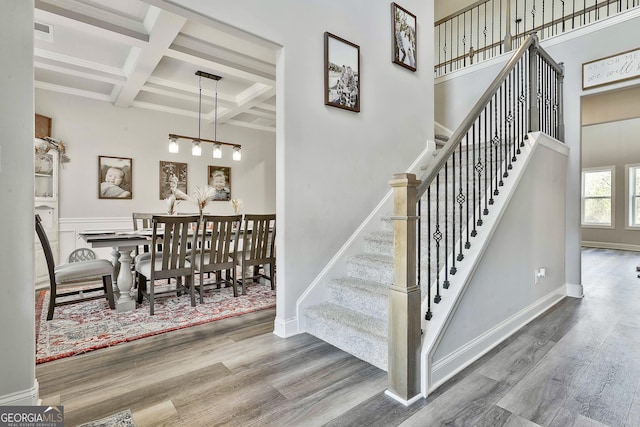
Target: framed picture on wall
{"x": 341, "y": 73}
{"x": 219, "y": 177}
{"x": 115, "y": 177}
{"x": 405, "y": 43}
{"x": 173, "y": 175}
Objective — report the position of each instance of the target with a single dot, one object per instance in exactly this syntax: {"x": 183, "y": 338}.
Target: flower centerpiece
{"x": 201, "y": 196}
{"x": 237, "y": 205}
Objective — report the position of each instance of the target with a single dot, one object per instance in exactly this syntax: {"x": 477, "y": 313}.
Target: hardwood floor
{"x": 577, "y": 365}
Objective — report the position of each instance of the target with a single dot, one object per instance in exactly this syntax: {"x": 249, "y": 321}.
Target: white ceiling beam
{"x": 164, "y": 27}
{"x": 251, "y": 125}
{"x": 190, "y": 89}
{"x": 212, "y": 65}
{"x": 71, "y": 91}
{"x": 48, "y": 11}
{"x": 247, "y": 99}
{"x": 73, "y": 66}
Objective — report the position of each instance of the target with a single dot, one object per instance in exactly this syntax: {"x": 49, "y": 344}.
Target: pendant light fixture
{"x": 196, "y": 147}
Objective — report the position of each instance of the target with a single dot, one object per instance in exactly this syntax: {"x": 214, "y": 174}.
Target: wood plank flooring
{"x": 577, "y": 365}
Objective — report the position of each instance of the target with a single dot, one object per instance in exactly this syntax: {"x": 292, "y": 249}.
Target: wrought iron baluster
{"x": 533, "y": 16}
{"x": 473, "y": 172}
{"x": 445, "y": 284}
{"x": 419, "y": 243}
{"x": 500, "y": 26}
{"x": 484, "y": 31}
{"x": 465, "y": 196}
{"x": 487, "y": 165}
{"x": 453, "y": 207}
{"x": 509, "y": 126}
{"x": 479, "y": 168}
{"x": 501, "y": 139}
{"x": 460, "y": 197}
{"x": 464, "y": 39}
{"x": 428, "y": 314}
{"x": 495, "y": 141}
{"x": 437, "y": 236}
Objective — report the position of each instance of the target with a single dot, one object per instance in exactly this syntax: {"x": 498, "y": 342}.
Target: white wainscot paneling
{"x": 70, "y": 229}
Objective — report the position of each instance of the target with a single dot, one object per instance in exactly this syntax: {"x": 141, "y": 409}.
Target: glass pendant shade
{"x": 217, "y": 151}
{"x": 237, "y": 154}
{"x": 173, "y": 146}
{"x": 196, "y": 150}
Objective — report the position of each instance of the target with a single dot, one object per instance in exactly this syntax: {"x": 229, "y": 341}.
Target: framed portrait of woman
{"x": 219, "y": 177}
{"x": 115, "y": 177}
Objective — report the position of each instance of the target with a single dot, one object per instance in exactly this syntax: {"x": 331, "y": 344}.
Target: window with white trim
{"x": 633, "y": 202}
{"x": 597, "y": 197}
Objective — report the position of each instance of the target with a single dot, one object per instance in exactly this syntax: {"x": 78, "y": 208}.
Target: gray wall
{"x": 17, "y": 302}
{"x": 613, "y": 144}
{"x": 503, "y": 284}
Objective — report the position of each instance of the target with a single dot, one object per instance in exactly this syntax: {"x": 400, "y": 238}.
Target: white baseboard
{"x": 397, "y": 398}
{"x": 28, "y": 397}
{"x": 285, "y": 328}
{"x": 575, "y": 290}
{"x": 609, "y": 245}
{"x": 445, "y": 368}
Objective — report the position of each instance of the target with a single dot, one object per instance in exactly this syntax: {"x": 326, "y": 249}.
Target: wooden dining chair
{"x": 257, "y": 249}
{"x": 217, "y": 252}
{"x": 141, "y": 221}
{"x": 178, "y": 235}
{"x": 74, "y": 276}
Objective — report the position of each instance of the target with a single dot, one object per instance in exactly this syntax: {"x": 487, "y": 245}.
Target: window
{"x": 633, "y": 200}
{"x": 597, "y": 197}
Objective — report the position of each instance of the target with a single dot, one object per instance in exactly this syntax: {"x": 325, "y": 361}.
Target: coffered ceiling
{"x": 137, "y": 54}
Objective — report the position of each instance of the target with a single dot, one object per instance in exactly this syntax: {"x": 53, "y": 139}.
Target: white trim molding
{"x": 611, "y": 245}
{"x": 285, "y": 328}
{"x": 27, "y": 397}
{"x": 575, "y": 290}
{"x": 397, "y": 398}
{"x": 445, "y": 368}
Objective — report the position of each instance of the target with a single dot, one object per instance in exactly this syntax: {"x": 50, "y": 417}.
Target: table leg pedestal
{"x": 125, "y": 281}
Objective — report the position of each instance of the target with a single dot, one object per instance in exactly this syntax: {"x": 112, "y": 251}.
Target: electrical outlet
{"x": 540, "y": 273}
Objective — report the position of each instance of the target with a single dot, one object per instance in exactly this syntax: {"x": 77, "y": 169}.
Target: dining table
{"x": 123, "y": 243}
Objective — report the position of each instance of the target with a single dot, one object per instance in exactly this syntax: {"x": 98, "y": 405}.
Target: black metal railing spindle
{"x": 428, "y": 315}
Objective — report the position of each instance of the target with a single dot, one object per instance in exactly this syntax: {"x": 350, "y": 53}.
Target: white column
{"x": 18, "y": 385}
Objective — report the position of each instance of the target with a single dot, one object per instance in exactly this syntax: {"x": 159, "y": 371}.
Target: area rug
{"x": 90, "y": 325}
{"x": 121, "y": 419}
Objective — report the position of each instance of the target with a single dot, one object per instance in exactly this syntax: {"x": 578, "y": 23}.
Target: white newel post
{"x": 404, "y": 296}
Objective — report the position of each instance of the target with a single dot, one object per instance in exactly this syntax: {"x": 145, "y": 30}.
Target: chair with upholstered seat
{"x": 74, "y": 274}
{"x": 178, "y": 235}
{"x": 217, "y": 252}
{"x": 257, "y": 249}
{"x": 81, "y": 254}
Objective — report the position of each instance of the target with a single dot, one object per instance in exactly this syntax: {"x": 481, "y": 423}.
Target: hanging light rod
{"x": 217, "y": 145}
{"x": 174, "y": 136}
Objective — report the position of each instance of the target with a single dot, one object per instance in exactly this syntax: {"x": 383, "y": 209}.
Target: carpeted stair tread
{"x": 364, "y": 296}
{"x": 373, "y": 267}
{"x": 360, "y": 335}
{"x": 379, "y": 242}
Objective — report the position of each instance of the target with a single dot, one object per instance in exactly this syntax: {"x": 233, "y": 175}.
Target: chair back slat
{"x": 217, "y": 239}
{"x": 177, "y": 238}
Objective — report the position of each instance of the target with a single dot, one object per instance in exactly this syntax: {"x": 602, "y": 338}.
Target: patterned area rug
{"x": 90, "y": 325}
{"x": 121, "y": 419}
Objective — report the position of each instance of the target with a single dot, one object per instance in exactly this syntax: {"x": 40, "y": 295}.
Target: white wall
{"x": 17, "y": 297}
{"x": 456, "y": 93}
{"x": 333, "y": 165}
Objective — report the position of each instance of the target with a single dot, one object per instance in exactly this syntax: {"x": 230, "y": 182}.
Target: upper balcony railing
{"x": 489, "y": 28}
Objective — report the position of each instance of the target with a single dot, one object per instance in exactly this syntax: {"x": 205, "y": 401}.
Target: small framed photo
{"x": 115, "y": 177}
{"x": 219, "y": 177}
{"x": 405, "y": 42}
{"x": 173, "y": 177}
{"x": 341, "y": 73}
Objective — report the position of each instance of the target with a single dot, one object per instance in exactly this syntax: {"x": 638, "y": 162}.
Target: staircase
{"x": 354, "y": 318}
{"x": 457, "y": 193}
